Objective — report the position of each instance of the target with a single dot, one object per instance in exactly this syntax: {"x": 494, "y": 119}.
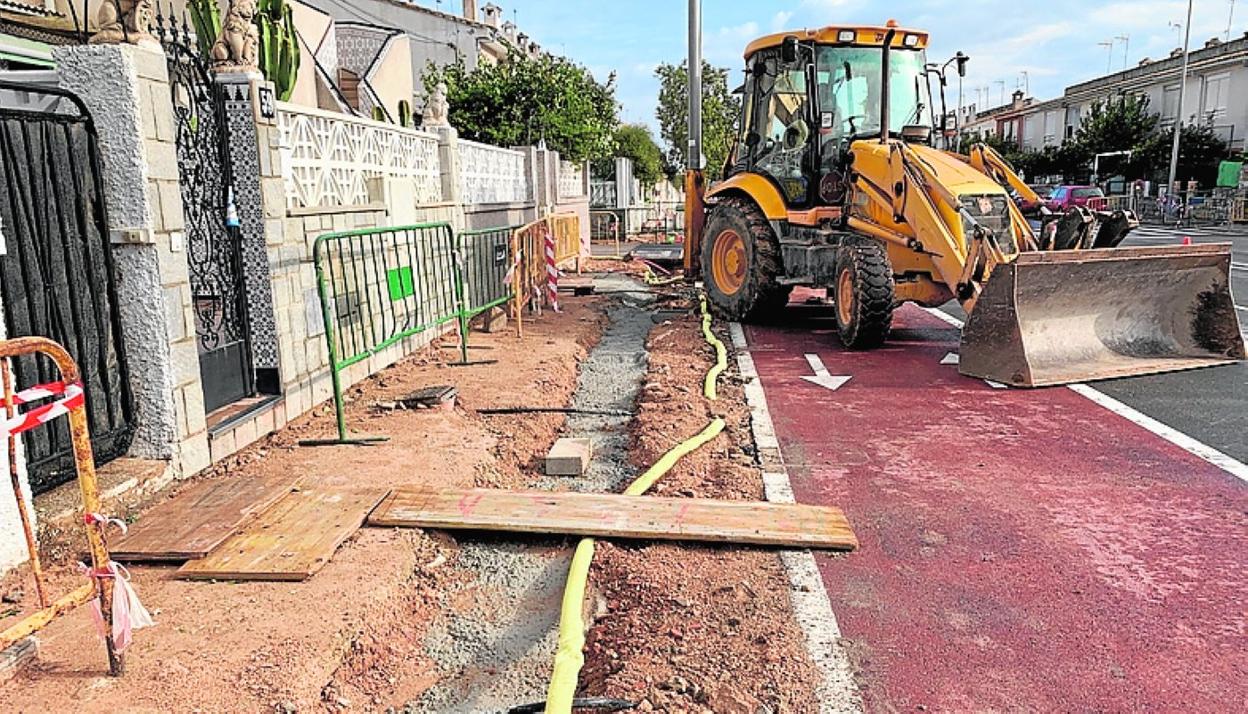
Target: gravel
{"x": 496, "y": 652}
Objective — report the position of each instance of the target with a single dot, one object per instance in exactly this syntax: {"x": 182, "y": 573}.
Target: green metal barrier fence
{"x": 380, "y": 286}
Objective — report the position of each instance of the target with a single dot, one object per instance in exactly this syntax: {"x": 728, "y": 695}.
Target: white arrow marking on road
{"x": 822, "y": 377}
{"x": 951, "y": 358}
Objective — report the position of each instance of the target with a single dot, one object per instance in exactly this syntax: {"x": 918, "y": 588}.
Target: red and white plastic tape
{"x": 71, "y": 395}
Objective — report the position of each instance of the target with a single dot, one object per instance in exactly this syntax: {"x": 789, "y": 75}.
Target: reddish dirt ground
{"x": 693, "y": 628}
{"x": 1020, "y": 550}
{"x": 350, "y": 636}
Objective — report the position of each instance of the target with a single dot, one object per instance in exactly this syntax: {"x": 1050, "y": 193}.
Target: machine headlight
{"x": 911, "y": 41}
{"x": 846, "y": 36}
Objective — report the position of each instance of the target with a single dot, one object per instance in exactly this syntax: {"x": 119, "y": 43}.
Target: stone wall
{"x": 126, "y": 89}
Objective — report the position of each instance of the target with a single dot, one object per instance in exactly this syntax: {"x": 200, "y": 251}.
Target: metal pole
{"x": 1178, "y": 120}
{"x": 694, "y": 156}
{"x": 28, "y": 529}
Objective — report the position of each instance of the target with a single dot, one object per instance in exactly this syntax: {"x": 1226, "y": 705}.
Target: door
{"x": 57, "y": 275}
{"x": 213, "y": 239}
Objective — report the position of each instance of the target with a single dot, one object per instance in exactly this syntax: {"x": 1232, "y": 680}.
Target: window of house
{"x": 1217, "y": 91}
{"x": 1170, "y": 103}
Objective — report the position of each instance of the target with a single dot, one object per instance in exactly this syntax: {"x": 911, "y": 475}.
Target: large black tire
{"x": 746, "y": 287}
{"x": 864, "y": 293}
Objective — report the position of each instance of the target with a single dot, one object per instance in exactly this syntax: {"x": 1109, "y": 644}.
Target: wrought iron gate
{"x": 56, "y": 273}
{"x": 213, "y": 239}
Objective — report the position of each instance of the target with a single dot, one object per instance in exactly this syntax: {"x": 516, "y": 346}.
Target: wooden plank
{"x": 290, "y": 541}
{"x": 613, "y": 516}
{"x": 199, "y": 518}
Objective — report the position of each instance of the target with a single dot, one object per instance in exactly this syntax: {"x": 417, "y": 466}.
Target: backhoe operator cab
{"x": 819, "y": 109}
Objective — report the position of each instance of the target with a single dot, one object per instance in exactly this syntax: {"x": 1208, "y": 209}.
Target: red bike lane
{"x": 1020, "y": 550}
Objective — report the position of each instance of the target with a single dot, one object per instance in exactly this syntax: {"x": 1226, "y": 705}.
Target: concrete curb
{"x": 836, "y": 691}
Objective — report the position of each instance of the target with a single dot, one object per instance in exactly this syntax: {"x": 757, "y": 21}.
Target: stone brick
{"x": 196, "y": 455}
{"x": 222, "y": 446}
{"x": 273, "y": 192}
{"x": 569, "y": 457}
{"x": 193, "y": 396}
{"x": 150, "y": 64}
{"x": 162, "y": 114}
{"x": 175, "y": 311}
{"x": 146, "y": 116}
{"x": 172, "y": 216}
{"x": 162, "y": 161}
{"x": 184, "y": 356}
{"x": 245, "y": 434}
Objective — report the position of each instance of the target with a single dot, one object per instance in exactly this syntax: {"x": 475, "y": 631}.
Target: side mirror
{"x": 962, "y": 60}
{"x": 788, "y": 51}
{"x": 752, "y": 139}
{"x": 759, "y": 69}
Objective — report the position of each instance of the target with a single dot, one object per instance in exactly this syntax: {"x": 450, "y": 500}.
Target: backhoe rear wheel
{"x": 864, "y": 293}
{"x": 741, "y": 262}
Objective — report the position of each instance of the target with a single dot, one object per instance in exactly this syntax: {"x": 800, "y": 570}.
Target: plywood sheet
{"x": 290, "y": 541}
{"x": 612, "y": 516}
{"x": 198, "y": 519}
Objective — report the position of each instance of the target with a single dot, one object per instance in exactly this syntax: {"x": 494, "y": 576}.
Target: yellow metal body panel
{"x": 766, "y": 195}
{"x": 865, "y": 36}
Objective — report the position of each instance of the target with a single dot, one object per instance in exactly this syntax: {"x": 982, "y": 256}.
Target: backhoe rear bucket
{"x": 1073, "y": 316}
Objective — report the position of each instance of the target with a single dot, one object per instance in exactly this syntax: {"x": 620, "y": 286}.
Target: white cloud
{"x": 780, "y": 22}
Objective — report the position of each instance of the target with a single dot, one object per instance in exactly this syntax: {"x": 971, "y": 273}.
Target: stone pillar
{"x": 249, "y": 101}
{"x": 126, "y": 89}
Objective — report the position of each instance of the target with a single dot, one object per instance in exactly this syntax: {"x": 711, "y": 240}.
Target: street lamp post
{"x": 1178, "y": 120}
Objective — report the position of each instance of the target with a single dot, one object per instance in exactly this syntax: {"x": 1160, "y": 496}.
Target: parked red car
{"x": 1065, "y": 198}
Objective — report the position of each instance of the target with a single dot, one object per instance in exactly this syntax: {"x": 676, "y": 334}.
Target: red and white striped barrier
{"x": 552, "y": 270}
{"x": 40, "y": 392}
{"x": 72, "y": 398}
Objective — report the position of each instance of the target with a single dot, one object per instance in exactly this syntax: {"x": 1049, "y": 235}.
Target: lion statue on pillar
{"x": 239, "y": 41}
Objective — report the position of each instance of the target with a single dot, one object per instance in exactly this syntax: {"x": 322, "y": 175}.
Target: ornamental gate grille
{"x": 56, "y": 273}
{"x": 213, "y": 238}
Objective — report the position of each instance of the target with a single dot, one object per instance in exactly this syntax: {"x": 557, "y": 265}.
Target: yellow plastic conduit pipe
{"x": 569, "y": 656}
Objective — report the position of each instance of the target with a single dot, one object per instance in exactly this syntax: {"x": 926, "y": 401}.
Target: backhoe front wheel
{"x": 741, "y": 262}
{"x": 864, "y": 293}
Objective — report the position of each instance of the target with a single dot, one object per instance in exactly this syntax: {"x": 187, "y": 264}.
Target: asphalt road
{"x": 1021, "y": 550}
{"x": 1207, "y": 405}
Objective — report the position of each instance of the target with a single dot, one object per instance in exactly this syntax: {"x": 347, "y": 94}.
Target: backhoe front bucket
{"x": 1073, "y": 316}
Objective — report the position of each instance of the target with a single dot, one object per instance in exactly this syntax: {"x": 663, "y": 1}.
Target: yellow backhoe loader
{"x": 836, "y": 183}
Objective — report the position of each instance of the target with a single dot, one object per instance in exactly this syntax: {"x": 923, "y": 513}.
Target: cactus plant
{"x": 279, "y": 41}
{"x": 379, "y": 114}
{"x": 405, "y": 113}
{"x": 279, "y": 45}
{"x": 206, "y": 19}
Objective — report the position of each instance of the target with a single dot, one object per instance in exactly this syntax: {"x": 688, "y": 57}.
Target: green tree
{"x": 634, "y": 141}
{"x": 720, "y": 109}
{"x": 1119, "y": 124}
{"x": 1201, "y": 150}
{"x": 523, "y": 99}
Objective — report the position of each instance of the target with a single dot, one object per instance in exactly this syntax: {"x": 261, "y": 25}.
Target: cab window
{"x": 782, "y": 130}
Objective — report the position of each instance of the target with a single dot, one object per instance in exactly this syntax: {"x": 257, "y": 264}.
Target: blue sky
{"x": 1054, "y": 41}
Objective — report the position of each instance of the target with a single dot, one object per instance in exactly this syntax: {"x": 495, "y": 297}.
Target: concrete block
{"x": 175, "y": 311}
{"x": 569, "y": 457}
{"x": 494, "y": 321}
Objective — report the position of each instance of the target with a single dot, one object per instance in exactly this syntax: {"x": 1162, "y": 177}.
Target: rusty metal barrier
{"x": 530, "y": 271}
{"x": 605, "y": 227}
{"x": 71, "y": 403}
{"x": 1239, "y": 210}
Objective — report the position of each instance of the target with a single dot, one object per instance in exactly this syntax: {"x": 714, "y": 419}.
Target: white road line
{"x": 1239, "y": 266}
{"x": 835, "y": 691}
{"x": 1196, "y": 448}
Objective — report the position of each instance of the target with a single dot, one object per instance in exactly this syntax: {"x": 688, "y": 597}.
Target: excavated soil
{"x": 695, "y": 628}
{"x": 352, "y": 636}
